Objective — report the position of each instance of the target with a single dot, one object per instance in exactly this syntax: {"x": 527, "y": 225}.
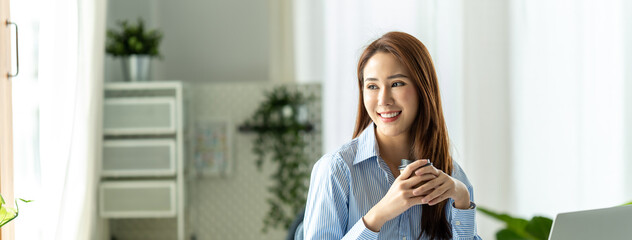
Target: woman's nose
{"x": 385, "y": 97}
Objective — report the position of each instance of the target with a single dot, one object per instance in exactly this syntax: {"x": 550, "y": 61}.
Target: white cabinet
{"x": 142, "y": 166}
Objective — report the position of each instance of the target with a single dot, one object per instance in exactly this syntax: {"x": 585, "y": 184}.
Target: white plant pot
{"x": 136, "y": 68}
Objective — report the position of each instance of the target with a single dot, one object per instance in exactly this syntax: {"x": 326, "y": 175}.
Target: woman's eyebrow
{"x": 399, "y": 75}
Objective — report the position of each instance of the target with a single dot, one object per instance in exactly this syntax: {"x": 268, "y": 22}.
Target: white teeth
{"x": 389, "y": 115}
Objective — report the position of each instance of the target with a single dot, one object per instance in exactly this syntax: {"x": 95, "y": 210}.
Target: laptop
{"x": 608, "y": 223}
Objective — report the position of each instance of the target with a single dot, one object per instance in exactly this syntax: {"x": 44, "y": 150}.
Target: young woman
{"x": 358, "y": 192}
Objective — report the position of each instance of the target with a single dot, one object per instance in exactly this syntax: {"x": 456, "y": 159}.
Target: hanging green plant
{"x": 280, "y": 125}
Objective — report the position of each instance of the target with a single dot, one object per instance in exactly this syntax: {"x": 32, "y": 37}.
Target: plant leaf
{"x": 539, "y": 227}
{"x": 7, "y": 214}
{"x": 518, "y": 225}
{"x": 508, "y": 234}
{"x": 630, "y": 203}
{"x": 498, "y": 216}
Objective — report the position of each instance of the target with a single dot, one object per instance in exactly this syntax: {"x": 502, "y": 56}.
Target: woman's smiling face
{"x": 390, "y": 96}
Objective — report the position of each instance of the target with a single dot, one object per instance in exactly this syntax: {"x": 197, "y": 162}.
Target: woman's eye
{"x": 372, "y": 87}
{"x": 398, "y": 84}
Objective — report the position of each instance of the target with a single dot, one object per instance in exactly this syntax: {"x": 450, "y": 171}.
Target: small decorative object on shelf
{"x": 280, "y": 123}
{"x": 135, "y": 46}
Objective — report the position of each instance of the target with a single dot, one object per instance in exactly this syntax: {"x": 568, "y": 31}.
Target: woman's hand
{"x": 441, "y": 187}
{"x": 399, "y": 198}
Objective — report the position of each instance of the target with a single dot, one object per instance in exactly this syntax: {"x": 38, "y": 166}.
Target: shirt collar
{"x": 367, "y": 145}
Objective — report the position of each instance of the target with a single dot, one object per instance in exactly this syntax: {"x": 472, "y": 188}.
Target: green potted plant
{"x": 538, "y": 228}
{"x": 136, "y": 46}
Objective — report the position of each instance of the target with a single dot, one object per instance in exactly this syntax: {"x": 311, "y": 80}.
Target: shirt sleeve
{"x": 327, "y": 211}
{"x": 463, "y": 221}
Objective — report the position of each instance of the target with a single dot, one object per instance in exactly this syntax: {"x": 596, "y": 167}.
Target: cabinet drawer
{"x": 138, "y": 158}
{"x": 124, "y": 116}
{"x": 138, "y": 199}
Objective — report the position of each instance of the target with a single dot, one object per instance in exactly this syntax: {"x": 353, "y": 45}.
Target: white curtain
{"x": 349, "y": 26}
{"x": 57, "y": 147}
{"x": 567, "y": 105}
{"x": 627, "y": 7}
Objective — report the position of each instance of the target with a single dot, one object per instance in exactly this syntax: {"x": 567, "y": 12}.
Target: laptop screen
{"x": 608, "y": 223}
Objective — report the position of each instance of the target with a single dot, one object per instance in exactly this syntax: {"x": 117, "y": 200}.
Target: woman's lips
{"x": 389, "y": 116}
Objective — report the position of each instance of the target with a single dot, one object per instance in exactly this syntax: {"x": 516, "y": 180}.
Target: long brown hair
{"x": 428, "y": 133}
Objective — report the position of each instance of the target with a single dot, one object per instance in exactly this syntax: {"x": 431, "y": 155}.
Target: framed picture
{"x": 212, "y": 142}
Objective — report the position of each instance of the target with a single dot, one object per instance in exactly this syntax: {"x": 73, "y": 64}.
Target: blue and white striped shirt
{"x": 346, "y": 184}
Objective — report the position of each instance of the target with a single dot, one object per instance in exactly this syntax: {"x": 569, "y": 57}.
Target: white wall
{"x": 204, "y": 40}
{"x": 487, "y": 130}
{"x": 308, "y": 41}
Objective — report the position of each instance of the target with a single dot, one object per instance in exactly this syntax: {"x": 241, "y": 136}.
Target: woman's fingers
{"x": 437, "y": 187}
{"x": 426, "y": 188}
{"x": 415, "y": 181}
{"x": 427, "y": 170}
{"x": 437, "y": 199}
{"x": 408, "y": 171}
{"x": 419, "y": 200}
{"x": 433, "y": 181}
{"x": 434, "y": 188}
{"x": 400, "y": 195}
{"x": 420, "y": 171}
{"x": 436, "y": 193}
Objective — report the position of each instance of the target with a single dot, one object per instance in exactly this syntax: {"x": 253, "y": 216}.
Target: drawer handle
{"x": 17, "y": 55}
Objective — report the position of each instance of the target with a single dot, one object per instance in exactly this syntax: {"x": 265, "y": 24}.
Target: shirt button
{"x": 458, "y": 223}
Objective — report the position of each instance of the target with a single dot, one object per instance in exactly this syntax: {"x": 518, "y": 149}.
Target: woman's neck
{"x": 393, "y": 149}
